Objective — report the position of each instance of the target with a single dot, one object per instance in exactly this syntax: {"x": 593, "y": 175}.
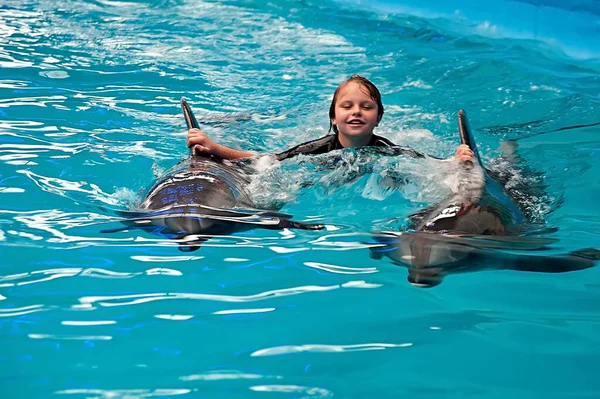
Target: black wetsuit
{"x": 331, "y": 142}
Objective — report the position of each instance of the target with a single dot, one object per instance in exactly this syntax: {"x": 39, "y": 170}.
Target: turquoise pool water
{"x": 89, "y": 116}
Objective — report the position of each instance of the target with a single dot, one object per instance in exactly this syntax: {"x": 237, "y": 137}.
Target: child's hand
{"x": 464, "y": 154}
{"x": 200, "y": 142}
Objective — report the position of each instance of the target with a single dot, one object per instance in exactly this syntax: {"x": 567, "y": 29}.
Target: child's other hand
{"x": 464, "y": 154}
{"x": 200, "y": 142}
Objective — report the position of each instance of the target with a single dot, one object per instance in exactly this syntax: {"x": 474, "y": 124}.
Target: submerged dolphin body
{"x": 202, "y": 197}
{"x": 468, "y": 230}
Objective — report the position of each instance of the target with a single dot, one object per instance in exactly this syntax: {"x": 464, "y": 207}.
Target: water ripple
{"x": 244, "y": 311}
{"x": 38, "y": 101}
{"x": 122, "y": 300}
{"x": 12, "y": 312}
{"x": 71, "y": 337}
{"x": 44, "y": 146}
{"x": 332, "y": 242}
{"x": 341, "y": 269}
{"x": 313, "y": 392}
{"x": 39, "y": 276}
{"x": 174, "y": 317}
{"x": 27, "y": 126}
{"x": 145, "y": 258}
{"x": 125, "y": 393}
{"x": 88, "y": 323}
{"x": 61, "y": 187}
{"x": 51, "y": 274}
{"x": 219, "y": 375}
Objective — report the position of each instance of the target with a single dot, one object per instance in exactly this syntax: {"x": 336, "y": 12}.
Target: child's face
{"x": 356, "y": 113}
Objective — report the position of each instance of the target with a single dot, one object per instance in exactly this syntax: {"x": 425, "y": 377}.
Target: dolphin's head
{"x": 427, "y": 257}
{"x": 425, "y": 277}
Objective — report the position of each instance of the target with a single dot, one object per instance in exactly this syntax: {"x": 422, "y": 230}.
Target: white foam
{"x": 419, "y": 84}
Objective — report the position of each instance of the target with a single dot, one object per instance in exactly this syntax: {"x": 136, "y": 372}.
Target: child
{"x": 355, "y": 111}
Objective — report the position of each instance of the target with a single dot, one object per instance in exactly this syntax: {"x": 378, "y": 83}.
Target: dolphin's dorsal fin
{"x": 192, "y": 123}
{"x": 496, "y": 191}
{"x": 465, "y": 134}
{"x": 190, "y": 119}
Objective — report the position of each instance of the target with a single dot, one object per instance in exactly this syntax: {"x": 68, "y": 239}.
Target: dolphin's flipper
{"x": 199, "y": 213}
{"x": 587, "y": 253}
{"x": 137, "y": 219}
{"x": 574, "y": 261}
{"x": 274, "y": 214}
{"x": 300, "y": 226}
{"x": 375, "y": 254}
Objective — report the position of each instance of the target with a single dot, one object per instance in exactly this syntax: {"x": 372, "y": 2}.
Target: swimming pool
{"x": 89, "y": 116}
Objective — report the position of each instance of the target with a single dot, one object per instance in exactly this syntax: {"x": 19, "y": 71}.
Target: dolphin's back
{"x": 199, "y": 179}
{"x": 184, "y": 189}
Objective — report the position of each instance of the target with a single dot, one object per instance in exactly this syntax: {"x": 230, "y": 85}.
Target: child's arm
{"x": 203, "y": 145}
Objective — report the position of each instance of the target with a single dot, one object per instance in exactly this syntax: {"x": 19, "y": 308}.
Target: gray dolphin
{"x": 203, "y": 196}
{"x": 468, "y": 231}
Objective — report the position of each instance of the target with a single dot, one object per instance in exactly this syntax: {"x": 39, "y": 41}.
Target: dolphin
{"x": 200, "y": 197}
{"x": 471, "y": 230}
